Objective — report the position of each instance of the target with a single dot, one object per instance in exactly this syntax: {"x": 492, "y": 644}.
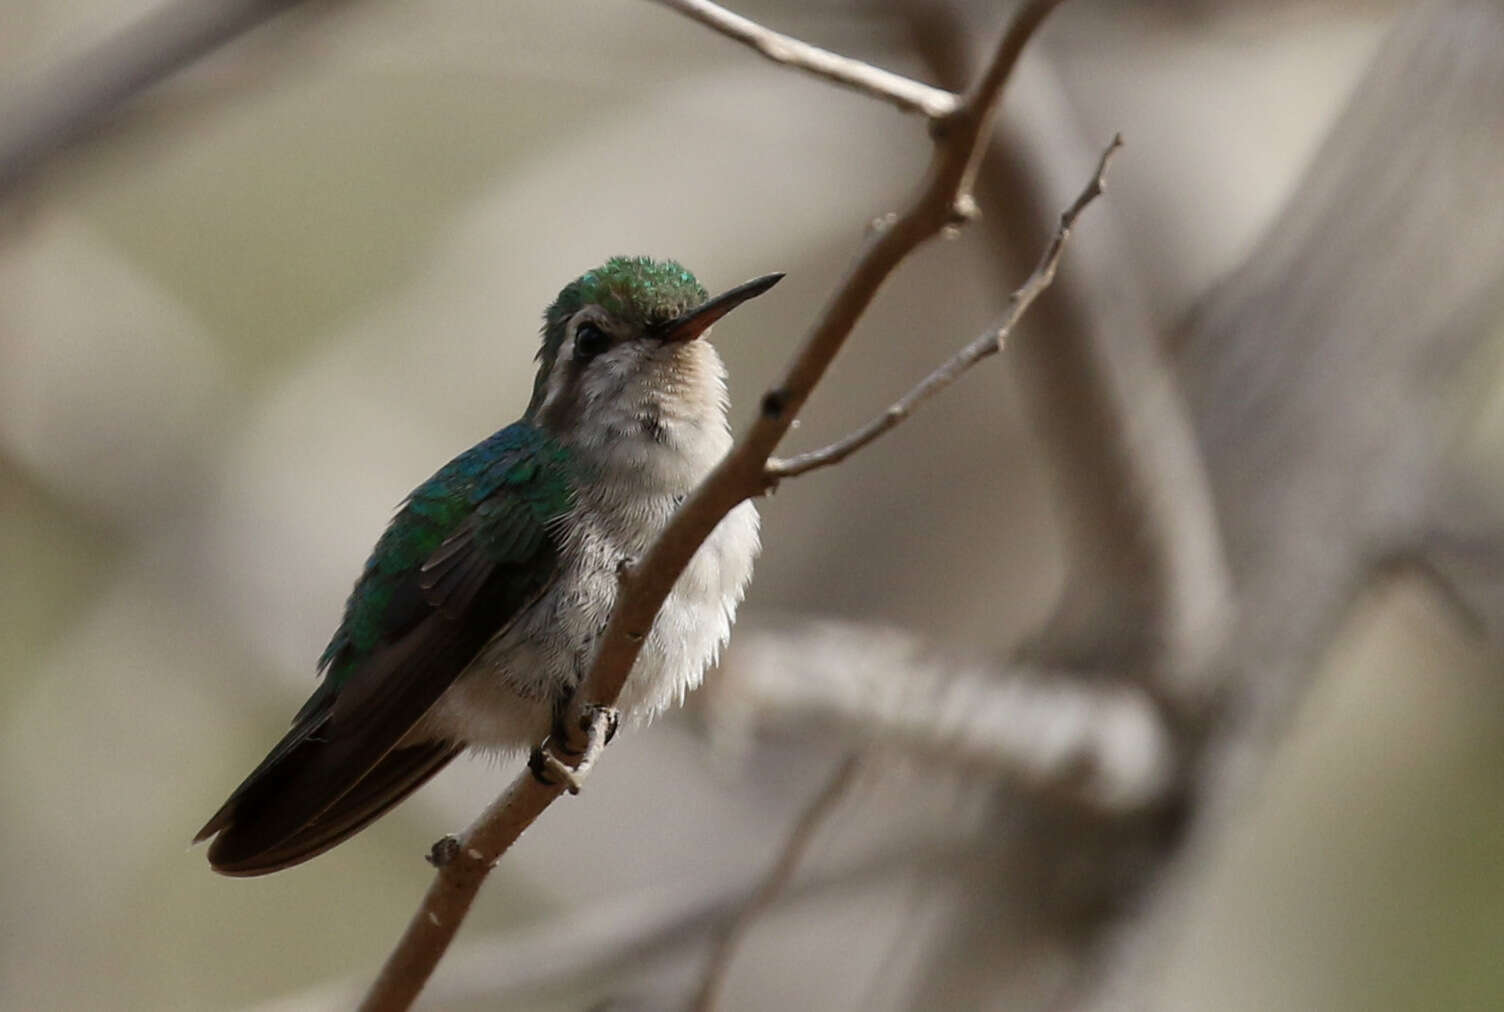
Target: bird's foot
{"x": 550, "y": 770}
{"x": 555, "y": 764}
{"x": 608, "y": 718}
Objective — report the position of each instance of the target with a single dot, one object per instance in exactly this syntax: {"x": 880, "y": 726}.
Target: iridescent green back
{"x": 510, "y": 487}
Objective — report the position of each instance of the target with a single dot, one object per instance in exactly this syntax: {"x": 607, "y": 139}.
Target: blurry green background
{"x": 238, "y": 326}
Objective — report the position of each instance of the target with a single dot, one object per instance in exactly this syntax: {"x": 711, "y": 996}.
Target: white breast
{"x": 507, "y": 695}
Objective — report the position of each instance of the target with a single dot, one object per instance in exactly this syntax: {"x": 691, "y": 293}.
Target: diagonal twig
{"x": 951, "y": 370}
{"x": 778, "y": 878}
{"x": 909, "y": 95}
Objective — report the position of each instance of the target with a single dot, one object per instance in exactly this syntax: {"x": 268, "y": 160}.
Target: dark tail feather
{"x": 301, "y": 807}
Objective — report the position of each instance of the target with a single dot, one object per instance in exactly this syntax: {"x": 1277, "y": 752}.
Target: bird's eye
{"x": 589, "y": 341}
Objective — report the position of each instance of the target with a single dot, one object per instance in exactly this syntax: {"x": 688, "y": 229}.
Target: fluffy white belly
{"x": 506, "y": 697}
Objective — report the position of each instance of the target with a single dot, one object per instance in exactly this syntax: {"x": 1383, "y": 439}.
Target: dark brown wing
{"x": 401, "y": 772}
{"x": 339, "y": 767}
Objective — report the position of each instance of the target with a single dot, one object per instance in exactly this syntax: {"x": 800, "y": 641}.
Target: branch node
{"x": 774, "y": 403}
{"x": 881, "y": 224}
{"x": 602, "y": 720}
{"x": 963, "y": 211}
{"x": 948, "y": 372}
{"x": 551, "y": 771}
{"x": 942, "y": 126}
{"x": 443, "y": 851}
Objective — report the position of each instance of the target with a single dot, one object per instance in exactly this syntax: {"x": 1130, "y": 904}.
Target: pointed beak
{"x": 690, "y": 325}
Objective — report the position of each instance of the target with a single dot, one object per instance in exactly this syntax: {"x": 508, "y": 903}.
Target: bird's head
{"x": 623, "y": 355}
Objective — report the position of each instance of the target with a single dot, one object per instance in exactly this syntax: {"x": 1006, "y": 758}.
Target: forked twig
{"x": 987, "y": 344}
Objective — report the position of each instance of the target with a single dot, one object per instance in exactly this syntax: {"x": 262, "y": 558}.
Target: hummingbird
{"x": 479, "y": 610}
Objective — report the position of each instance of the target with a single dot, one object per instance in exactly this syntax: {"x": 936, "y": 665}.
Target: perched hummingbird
{"x": 478, "y": 611}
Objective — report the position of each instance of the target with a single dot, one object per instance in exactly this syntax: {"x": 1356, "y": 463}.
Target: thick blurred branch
{"x": 74, "y": 98}
{"x": 1461, "y": 549}
{"x": 1088, "y": 740}
{"x": 1146, "y": 588}
{"x": 944, "y": 200}
{"x": 1306, "y": 423}
{"x": 1321, "y": 379}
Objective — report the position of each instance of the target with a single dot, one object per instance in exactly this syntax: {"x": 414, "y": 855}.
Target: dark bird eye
{"x": 589, "y": 341}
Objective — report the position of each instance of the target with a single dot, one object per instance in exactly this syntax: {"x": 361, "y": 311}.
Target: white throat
{"x": 651, "y": 423}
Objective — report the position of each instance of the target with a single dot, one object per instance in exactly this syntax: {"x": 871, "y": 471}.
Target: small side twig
{"x": 987, "y": 344}
{"x": 777, "y": 880}
{"x": 907, "y": 94}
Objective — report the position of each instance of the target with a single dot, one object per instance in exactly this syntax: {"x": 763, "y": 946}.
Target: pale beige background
{"x": 235, "y": 331}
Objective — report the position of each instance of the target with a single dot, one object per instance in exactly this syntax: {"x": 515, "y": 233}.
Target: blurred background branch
{"x": 779, "y": 877}
{"x": 1086, "y": 740}
{"x": 80, "y": 94}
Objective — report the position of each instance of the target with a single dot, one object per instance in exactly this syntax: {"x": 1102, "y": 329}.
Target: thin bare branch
{"x": 463, "y": 864}
{"x": 987, "y": 344}
{"x": 908, "y": 95}
{"x": 740, "y": 475}
{"x": 942, "y": 201}
{"x": 778, "y": 878}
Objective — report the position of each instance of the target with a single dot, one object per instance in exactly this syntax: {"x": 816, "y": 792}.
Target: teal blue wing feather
{"x": 467, "y": 551}
{"x": 508, "y": 489}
